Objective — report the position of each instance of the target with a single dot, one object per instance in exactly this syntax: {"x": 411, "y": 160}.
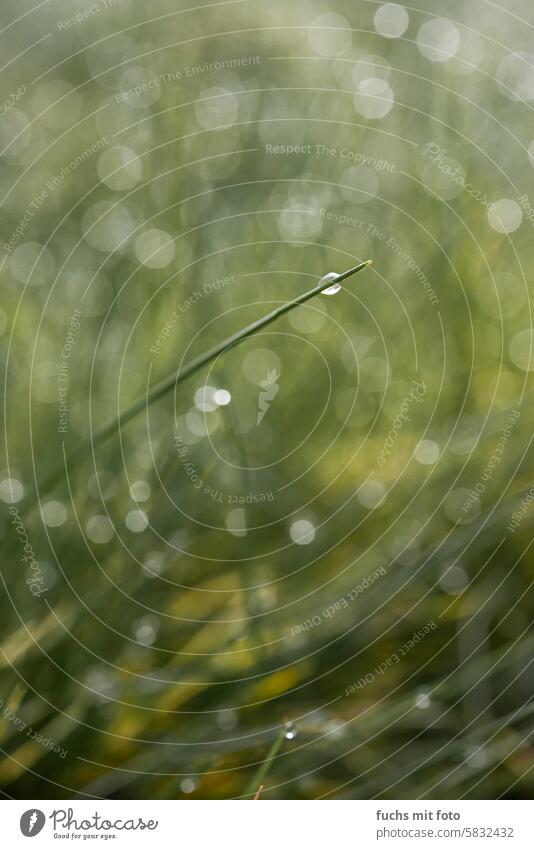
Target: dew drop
{"x": 302, "y": 532}
{"x": 476, "y": 757}
{"x": 422, "y": 699}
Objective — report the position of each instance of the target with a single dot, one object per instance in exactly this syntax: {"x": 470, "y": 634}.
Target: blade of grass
{"x": 177, "y": 378}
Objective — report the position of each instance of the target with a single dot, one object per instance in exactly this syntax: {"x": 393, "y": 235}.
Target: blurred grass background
{"x": 168, "y": 175}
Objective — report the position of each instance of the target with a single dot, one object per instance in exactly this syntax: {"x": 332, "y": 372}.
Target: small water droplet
{"x": 332, "y": 290}
{"x": 222, "y": 397}
{"x": 227, "y": 720}
{"x": 291, "y": 731}
{"x": 476, "y": 757}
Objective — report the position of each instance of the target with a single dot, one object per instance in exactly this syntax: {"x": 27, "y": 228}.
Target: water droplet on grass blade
{"x": 332, "y": 290}
{"x": 222, "y": 397}
{"x": 291, "y": 731}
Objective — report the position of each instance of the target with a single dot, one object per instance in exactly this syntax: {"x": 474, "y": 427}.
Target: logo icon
{"x": 270, "y": 391}
{"x": 32, "y": 822}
